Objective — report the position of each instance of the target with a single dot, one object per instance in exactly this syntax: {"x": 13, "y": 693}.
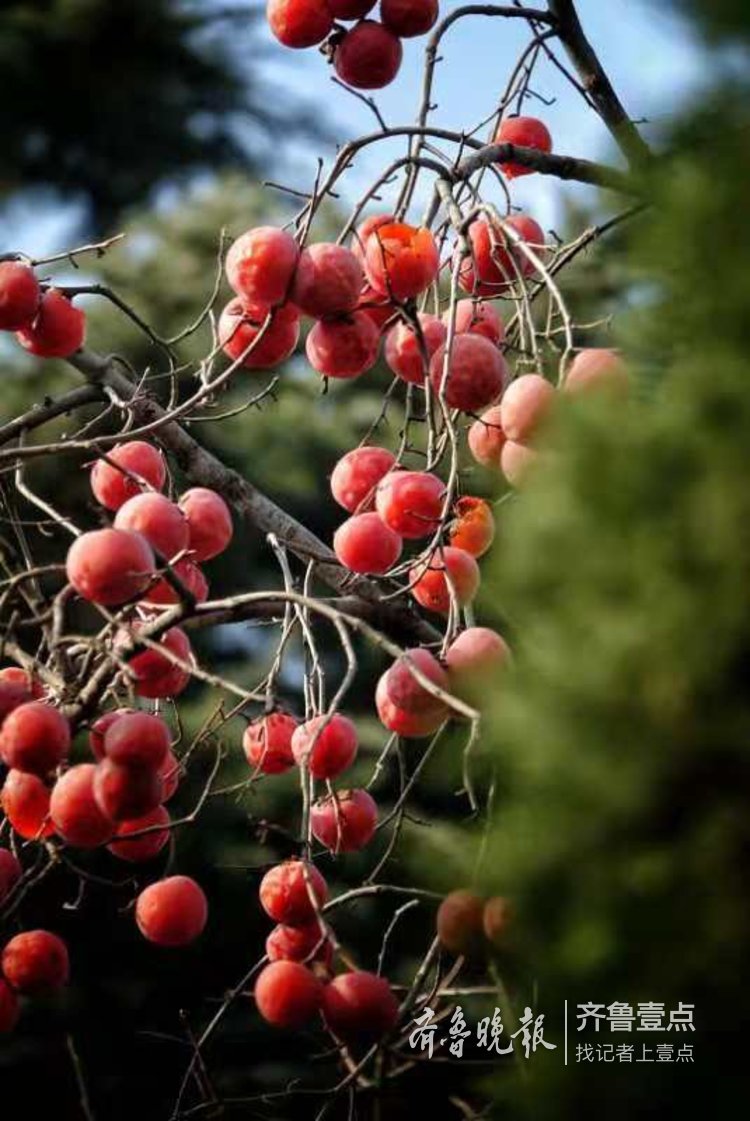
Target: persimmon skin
{"x": 110, "y": 566}
{"x": 357, "y": 474}
{"x": 267, "y": 743}
{"x": 25, "y": 802}
{"x": 368, "y": 57}
{"x": 138, "y": 850}
{"x": 209, "y": 522}
{"x": 359, "y": 1006}
{"x": 486, "y": 438}
{"x": 524, "y": 132}
{"x": 288, "y": 994}
{"x": 344, "y": 347}
{"x": 137, "y": 739}
{"x": 299, "y": 943}
{"x": 163, "y": 594}
{"x": 476, "y": 652}
{"x": 475, "y": 317}
{"x": 154, "y": 675}
{"x": 429, "y": 585}
{"x": 409, "y": 725}
{"x": 497, "y": 262}
{"x": 159, "y": 520}
{"x": 366, "y": 545}
{"x": 172, "y": 912}
{"x": 112, "y": 488}
{"x": 496, "y": 920}
{"x": 597, "y": 369}
{"x": 260, "y": 264}
{"x": 58, "y": 329}
{"x": 516, "y": 460}
{"x": 35, "y": 961}
{"x": 476, "y": 374}
{"x": 363, "y": 231}
{"x": 17, "y": 687}
{"x": 123, "y": 793}
{"x": 410, "y": 502}
{"x": 241, "y": 323}
{"x": 35, "y": 738}
{"x": 299, "y": 23}
{"x": 525, "y": 407}
{"x": 325, "y": 749}
{"x": 403, "y": 352}
{"x": 345, "y": 822}
{"x": 459, "y": 922}
{"x": 406, "y": 692}
{"x": 473, "y": 526}
{"x": 75, "y": 812}
{"x": 328, "y": 280}
{"x": 285, "y": 892}
{"x": 20, "y": 295}
{"x": 401, "y": 261}
{"x": 409, "y": 18}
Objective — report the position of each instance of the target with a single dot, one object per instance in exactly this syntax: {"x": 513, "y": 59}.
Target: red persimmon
{"x": 450, "y": 570}
{"x": 110, "y": 566}
{"x": 20, "y": 295}
{"x": 172, "y": 912}
{"x": 58, "y": 329}
{"x": 344, "y": 347}
{"x": 366, "y": 545}
{"x": 326, "y": 747}
{"x": 128, "y": 470}
{"x": 524, "y": 132}
{"x": 357, "y": 474}
{"x": 287, "y": 892}
{"x": 240, "y": 337}
{"x": 344, "y": 821}
{"x": 368, "y": 57}
{"x": 260, "y": 264}
{"x": 288, "y": 994}
{"x": 35, "y": 738}
{"x": 267, "y": 743}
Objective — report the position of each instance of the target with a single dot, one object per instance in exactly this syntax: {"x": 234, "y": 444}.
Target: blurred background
{"x": 618, "y": 748}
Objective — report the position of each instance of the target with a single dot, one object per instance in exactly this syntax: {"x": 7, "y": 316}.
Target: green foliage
{"x": 106, "y": 102}
{"x": 620, "y": 739}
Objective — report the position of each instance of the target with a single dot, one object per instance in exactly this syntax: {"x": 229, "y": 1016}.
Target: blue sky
{"x": 648, "y": 53}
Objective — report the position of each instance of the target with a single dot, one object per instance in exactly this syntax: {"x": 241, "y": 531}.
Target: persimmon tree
{"x": 467, "y": 304}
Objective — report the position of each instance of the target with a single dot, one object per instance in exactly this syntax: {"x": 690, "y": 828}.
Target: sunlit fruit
{"x": 35, "y": 961}
{"x": 287, "y": 892}
{"x": 366, "y": 545}
{"x": 401, "y": 260}
{"x": 20, "y": 295}
{"x": 359, "y": 1006}
{"x": 451, "y": 573}
{"x": 410, "y": 502}
{"x": 328, "y": 280}
{"x": 172, "y": 912}
{"x": 256, "y": 336}
{"x": 357, "y": 474}
{"x": 260, "y": 264}
{"x": 267, "y": 743}
{"x": 287, "y": 994}
{"x": 345, "y": 821}
{"x": 35, "y": 737}
{"x": 110, "y": 566}
{"x": 326, "y": 747}
{"x": 407, "y": 354}
{"x": 475, "y": 375}
{"x": 473, "y": 526}
{"x": 368, "y": 57}
{"x": 524, "y": 132}
{"x": 57, "y": 330}
{"x": 75, "y": 812}
{"x": 129, "y": 469}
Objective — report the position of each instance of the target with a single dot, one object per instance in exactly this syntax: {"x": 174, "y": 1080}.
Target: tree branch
{"x": 597, "y": 84}
{"x": 255, "y": 508}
